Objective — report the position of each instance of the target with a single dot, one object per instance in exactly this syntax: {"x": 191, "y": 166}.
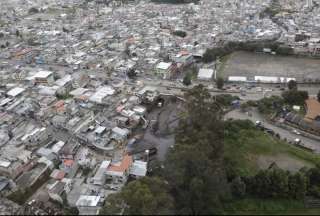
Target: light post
{"x": 147, "y": 155}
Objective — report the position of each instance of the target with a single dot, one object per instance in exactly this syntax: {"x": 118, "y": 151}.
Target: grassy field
{"x": 243, "y": 148}
{"x": 244, "y": 151}
{"x": 268, "y": 207}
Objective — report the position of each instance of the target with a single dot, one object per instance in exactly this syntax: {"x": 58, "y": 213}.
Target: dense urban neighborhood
{"x": 139, "y": 107}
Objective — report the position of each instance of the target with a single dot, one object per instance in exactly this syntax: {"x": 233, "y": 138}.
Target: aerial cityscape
{"x": 159, "y": 107}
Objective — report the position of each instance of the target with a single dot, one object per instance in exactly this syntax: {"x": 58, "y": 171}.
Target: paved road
{"x": 237, "y": 114}
{"x": 177, "y": 88}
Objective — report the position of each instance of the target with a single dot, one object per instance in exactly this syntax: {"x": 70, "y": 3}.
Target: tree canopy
{"x": 146, "y": 196}
{"x": 194, "y": 167}
{"x": 292, "y": 85}
{"x": 220, "y": 83}
{"x": 187, "y": 79}
{"x": 294, "y": 97}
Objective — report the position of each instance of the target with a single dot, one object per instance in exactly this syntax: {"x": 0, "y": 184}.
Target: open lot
{"x": 254, "y": 150}
{"x": 283, "y": 161}
{"x": 160, "y": 132}
{"x": 255, "y": 64}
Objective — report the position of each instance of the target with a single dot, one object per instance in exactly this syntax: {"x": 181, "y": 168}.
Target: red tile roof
{"x": 313, "y": 109}
{"x": 68, "y": 162}
{"x": 125, "y": 164}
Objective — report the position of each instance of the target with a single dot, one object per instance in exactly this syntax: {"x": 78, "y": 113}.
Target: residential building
{"x": 119, "y": 172}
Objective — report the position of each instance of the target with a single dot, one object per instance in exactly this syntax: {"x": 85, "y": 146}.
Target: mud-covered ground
{"x": 160, "y": 132}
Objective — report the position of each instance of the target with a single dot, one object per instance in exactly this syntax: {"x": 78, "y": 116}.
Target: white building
{"x": 205, "y": 74}
{"x": 266, "y": 79}
{"x": 100, "y": 176}
{"x": 65, "y": 84}
{"x": 88, "y": 201}
{"x": 101, "y": 94}
{"x": 89, "y": 205}
{"x": 35, "y": 136}
{"x": 138, "y": 169}
{"x": 43, "y": 77}
{"x": 270, "y": 79}
{"x": 237, "y": 79}
{"x": 120, "y": 133}
{"x": 15, "y": 92}
{"x": 164, "y": 69}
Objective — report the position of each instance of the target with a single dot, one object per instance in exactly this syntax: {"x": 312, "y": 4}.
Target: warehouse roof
{"x": 164, "y": 65}
{"x": 205, "y": 73}
{"x": 42, "y": 74}
{"x": 15, "y": 91}
{"x": 101, "y": 93}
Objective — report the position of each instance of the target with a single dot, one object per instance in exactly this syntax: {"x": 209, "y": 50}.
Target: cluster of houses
{"x": 70, "y": 136}
{"x": 68, "y": 106}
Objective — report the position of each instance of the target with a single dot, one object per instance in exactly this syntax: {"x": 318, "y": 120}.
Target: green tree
{"x": 225, "y": 100}
{"x": 113, "y": 205}
{"x": 180, "y": 33}
{"x": 314, "y": 190}
{"x": 238, "y": 187}
{"x": 294, "y": 97}
{"x": 284, "y": 50}
{"x": 261, "y": 184}
{"x": 292, "y": 85}
{"x": 270, "y": 104}
{"x": 220, "y": 83}
{"x": 146, "y": 196}
{"x": 270, "y": 183}
{"x": 132, "y": 73}
{"x": 314, "y": 176}
{"x": 278, "y": 183}
{"x": 33, "y": 10}
{"x": 297, "y": 186}
{"x": 187, "y": 80}
{"x": 194, "y": 167}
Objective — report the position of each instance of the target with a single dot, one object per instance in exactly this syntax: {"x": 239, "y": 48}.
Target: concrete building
{"x": 119, "y": 172}
{"x": 100, "y": 176}
{"x": 120, "y": 134}
{"x": 138, "y": 169}
{"x": 237, "y": 79}
{"x": 205, "y": 74}
{"x": 88, "y": 205}
{"x": 65, "y": 84}
{"x": 164, "y": 69}
{"x": 15, "y": 92}
{"x": 100, "y": 96}
{"x": 43, "y": 77}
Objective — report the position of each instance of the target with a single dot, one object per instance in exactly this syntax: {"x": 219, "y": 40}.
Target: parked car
{"x": 297, "y": 141}
{"x": 269, "y": 131}
{"x": 296, "y": 132}
{"x": 258, "y": 123}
